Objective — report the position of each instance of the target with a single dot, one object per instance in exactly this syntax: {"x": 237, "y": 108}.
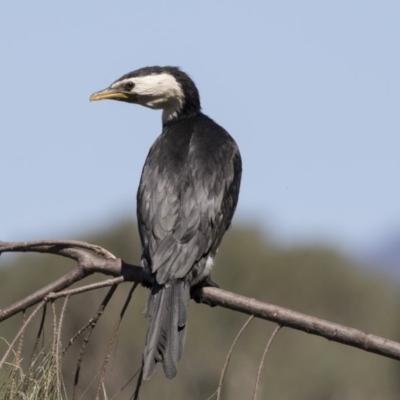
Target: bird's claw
{"x": 195, "y": 291}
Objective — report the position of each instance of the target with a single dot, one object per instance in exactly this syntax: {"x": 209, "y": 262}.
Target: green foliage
{"x": 314, "y": 280}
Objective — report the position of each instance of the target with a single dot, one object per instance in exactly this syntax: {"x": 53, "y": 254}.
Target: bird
{"x": 187, "y": 196}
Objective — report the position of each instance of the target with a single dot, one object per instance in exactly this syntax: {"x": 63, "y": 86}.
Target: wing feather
{"x": 186, "y": 202}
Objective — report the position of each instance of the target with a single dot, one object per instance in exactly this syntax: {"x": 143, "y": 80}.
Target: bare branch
{"x": 112, "y": 340}
{"x": 44, "y": 246}
{"x": 86, "y": 288}
{"x": 263, "y": 359}
{"x": 228, "y": 357}
{"x": 99, "y": 313}
{"x": 88, "y": 263}
{"x": 77, "y": 334}
{"x": 303, "y": 322}
{"x": 135, "y": 395}
{"x": 67, "y": 280}
{"x": 35, "y": 346}
{"x": 140, "y": 370}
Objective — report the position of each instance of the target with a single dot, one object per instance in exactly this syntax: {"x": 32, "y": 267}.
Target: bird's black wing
{"x": 187, "y": 196}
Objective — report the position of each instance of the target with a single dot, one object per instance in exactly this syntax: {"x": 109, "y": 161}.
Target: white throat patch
{"x": 157, "y": 91}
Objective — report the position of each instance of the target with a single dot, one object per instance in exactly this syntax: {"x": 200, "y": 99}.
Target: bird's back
{"x": 187, "y": 195}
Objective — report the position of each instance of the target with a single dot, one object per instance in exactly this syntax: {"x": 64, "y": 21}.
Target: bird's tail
{"x": 167, "y": 309}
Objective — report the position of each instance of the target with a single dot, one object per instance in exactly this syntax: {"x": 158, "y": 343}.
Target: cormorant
{"x": 185, "y": 202}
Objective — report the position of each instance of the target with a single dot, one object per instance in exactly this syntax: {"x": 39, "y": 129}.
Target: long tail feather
{"x": 167, "y": 309}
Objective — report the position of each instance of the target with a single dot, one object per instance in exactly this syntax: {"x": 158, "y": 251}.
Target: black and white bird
{"x": 185, "y": 202}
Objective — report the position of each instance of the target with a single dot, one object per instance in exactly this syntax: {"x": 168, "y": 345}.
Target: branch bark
{"x": 101, "y": 262}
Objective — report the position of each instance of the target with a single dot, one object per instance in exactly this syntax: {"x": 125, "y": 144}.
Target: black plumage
{"x": 186, "y": 199}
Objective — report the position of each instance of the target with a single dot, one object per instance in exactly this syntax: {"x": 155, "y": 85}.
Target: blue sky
{"x": 310, "y": 91}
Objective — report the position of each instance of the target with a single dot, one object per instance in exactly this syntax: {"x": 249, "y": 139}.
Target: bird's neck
{"x": 170, "y": 114}
{"x": 179, "y": 110}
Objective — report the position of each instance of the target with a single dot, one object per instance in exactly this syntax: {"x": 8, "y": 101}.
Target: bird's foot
{"x": 195, "y": 291}
{"x": 148, "y": 282}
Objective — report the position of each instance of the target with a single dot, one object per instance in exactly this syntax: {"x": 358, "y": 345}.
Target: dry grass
{"x": 39, "y": 381}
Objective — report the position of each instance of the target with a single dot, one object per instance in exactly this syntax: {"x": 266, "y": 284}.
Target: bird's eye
{"x": 129, "y": 85}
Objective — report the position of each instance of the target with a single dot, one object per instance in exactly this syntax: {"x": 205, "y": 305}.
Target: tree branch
{"x": 89, "y": 263}
{"x": 303, "y": 322}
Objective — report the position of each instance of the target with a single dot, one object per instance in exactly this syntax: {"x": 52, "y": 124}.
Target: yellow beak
{"x": 109, "y": 94}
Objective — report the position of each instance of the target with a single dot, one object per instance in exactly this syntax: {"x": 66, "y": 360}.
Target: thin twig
{"x": 263, "y": 358}
{"x": 228, "y": 357}
{"x": 112, "y": 340}
{"x": 100, "y": 311}
{"x": 39, "y": 334}
{"x": 86, "y": 288}
{"x": 35, "y": 347}
{"x": 72, "y": 340}
{"x": 138, "y": 385}
{"x": 126, "y": 384}
{"x": 108, "y": 282}
{"x": 20, "y": 332}
{"x": 58, "y": 345}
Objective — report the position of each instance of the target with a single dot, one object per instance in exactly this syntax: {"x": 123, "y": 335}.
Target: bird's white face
{"x": 156, "y": 91}
{"x": 166, "y": 88}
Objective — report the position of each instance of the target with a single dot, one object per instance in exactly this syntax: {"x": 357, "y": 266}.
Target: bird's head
{"x": 166, "y": 88}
